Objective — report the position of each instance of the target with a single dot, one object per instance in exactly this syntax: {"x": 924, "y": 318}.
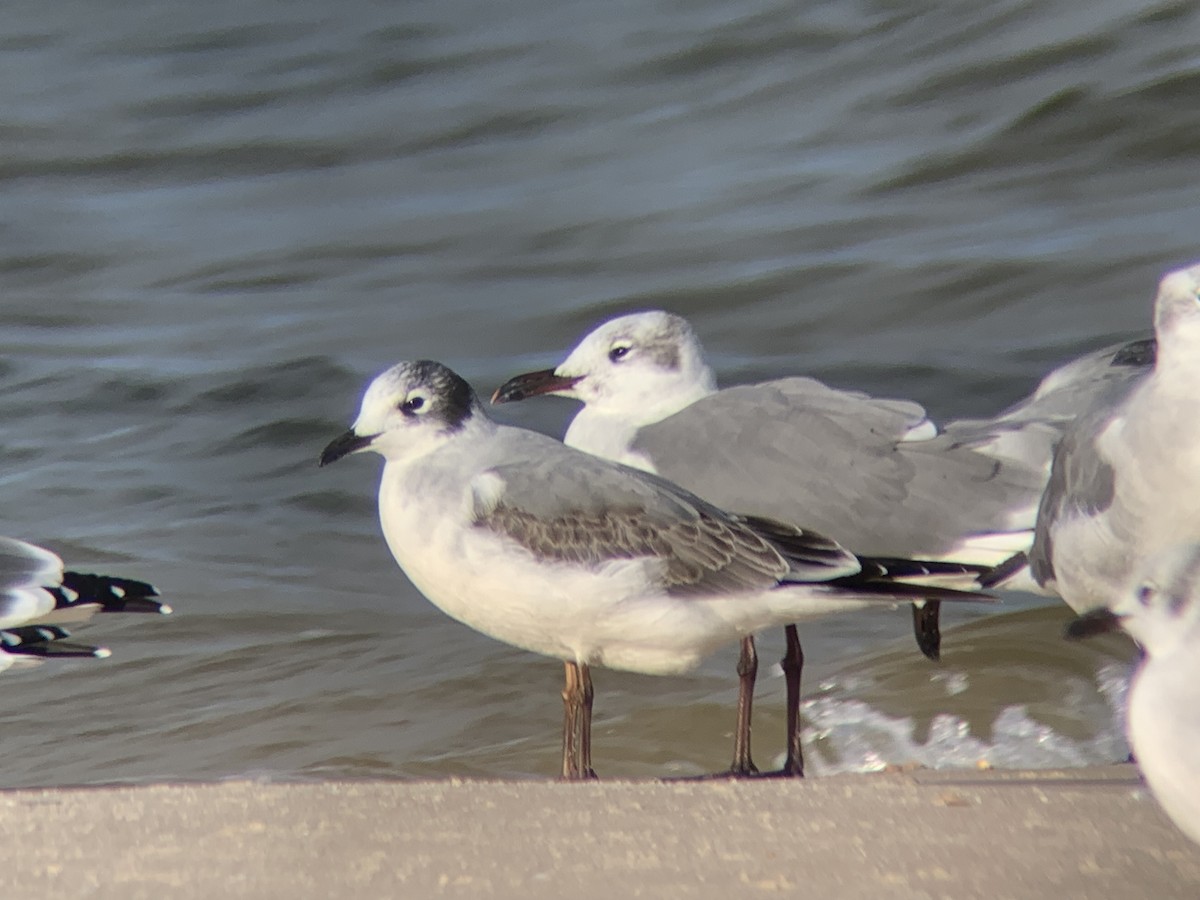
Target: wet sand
{"x": 1092, "y": 832}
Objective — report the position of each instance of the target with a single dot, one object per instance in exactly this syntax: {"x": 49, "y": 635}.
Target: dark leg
{"x": 747, "y": 669}
{"x": 577, "y": 722}
{"x": 585, "y": 724}
{"x": 793, "y": 665}
{"x": 570, "y": 695}
{"x": 925, "y": 627}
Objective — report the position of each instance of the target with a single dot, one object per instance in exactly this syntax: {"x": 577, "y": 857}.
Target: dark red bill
{"x": 531, "y": 384}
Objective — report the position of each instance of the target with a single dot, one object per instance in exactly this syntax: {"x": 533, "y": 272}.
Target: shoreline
{"x": 1092, "y": 832}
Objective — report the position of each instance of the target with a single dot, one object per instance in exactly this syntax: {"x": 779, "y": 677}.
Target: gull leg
{"x": 747, "y": 669}
{"x": 793, "y": 665}
{"x": 570, "y": 696}
{"x": 585, "y": 724}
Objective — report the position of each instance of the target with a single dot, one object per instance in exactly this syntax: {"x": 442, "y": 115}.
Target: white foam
{"x": 849, "y": 735}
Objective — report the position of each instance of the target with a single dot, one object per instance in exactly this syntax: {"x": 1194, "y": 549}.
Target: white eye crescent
{"x": 618, "y": 351}
{"x": 412, "y": 404}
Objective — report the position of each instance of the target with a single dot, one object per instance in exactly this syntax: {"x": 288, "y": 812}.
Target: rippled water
{"x": 220, "y": 219}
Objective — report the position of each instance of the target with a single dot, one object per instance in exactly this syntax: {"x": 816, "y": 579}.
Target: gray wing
{"x": 24, "y": 569}
{"x": 1081, "y": 481}
{"x": 1056, "y": 428}
{"x": 835, "y": 461}
{"x": 575, "y": 508}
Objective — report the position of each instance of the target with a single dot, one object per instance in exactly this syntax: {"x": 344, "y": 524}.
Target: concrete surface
{"x": 1063, "y": 834}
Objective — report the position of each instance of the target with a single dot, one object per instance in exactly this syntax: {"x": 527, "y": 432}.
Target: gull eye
{"x": 412, "y": 404}
{"x": 1145, "y": 594}
{"x": 619, "y": 352}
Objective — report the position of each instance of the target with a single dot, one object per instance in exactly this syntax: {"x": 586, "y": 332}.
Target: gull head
{"x": 634, "y": 365}
{"x": 1161, "y": 609}
{"x": 1177, "y": 311}
{"x": 408, "y": 411}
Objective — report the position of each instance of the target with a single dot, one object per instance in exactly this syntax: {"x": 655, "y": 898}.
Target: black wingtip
{"x": 1137, "y": 354}
{"x": 1004, "y": 571}
{"x": 140, "y": 605}
{"x": 111, "y": 594}
{"x": 46, "y": 641}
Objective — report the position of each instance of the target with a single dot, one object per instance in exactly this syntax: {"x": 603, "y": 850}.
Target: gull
{"x": 1126, "y": 475}
{"x": 1162, "y": 613}
{"x": 873, "y": 474}
{"x": 37, "y": 597}
{"x": 565, "y": 554}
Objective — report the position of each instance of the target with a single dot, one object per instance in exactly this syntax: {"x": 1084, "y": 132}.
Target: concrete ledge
{"x": 1092, "y": 832}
